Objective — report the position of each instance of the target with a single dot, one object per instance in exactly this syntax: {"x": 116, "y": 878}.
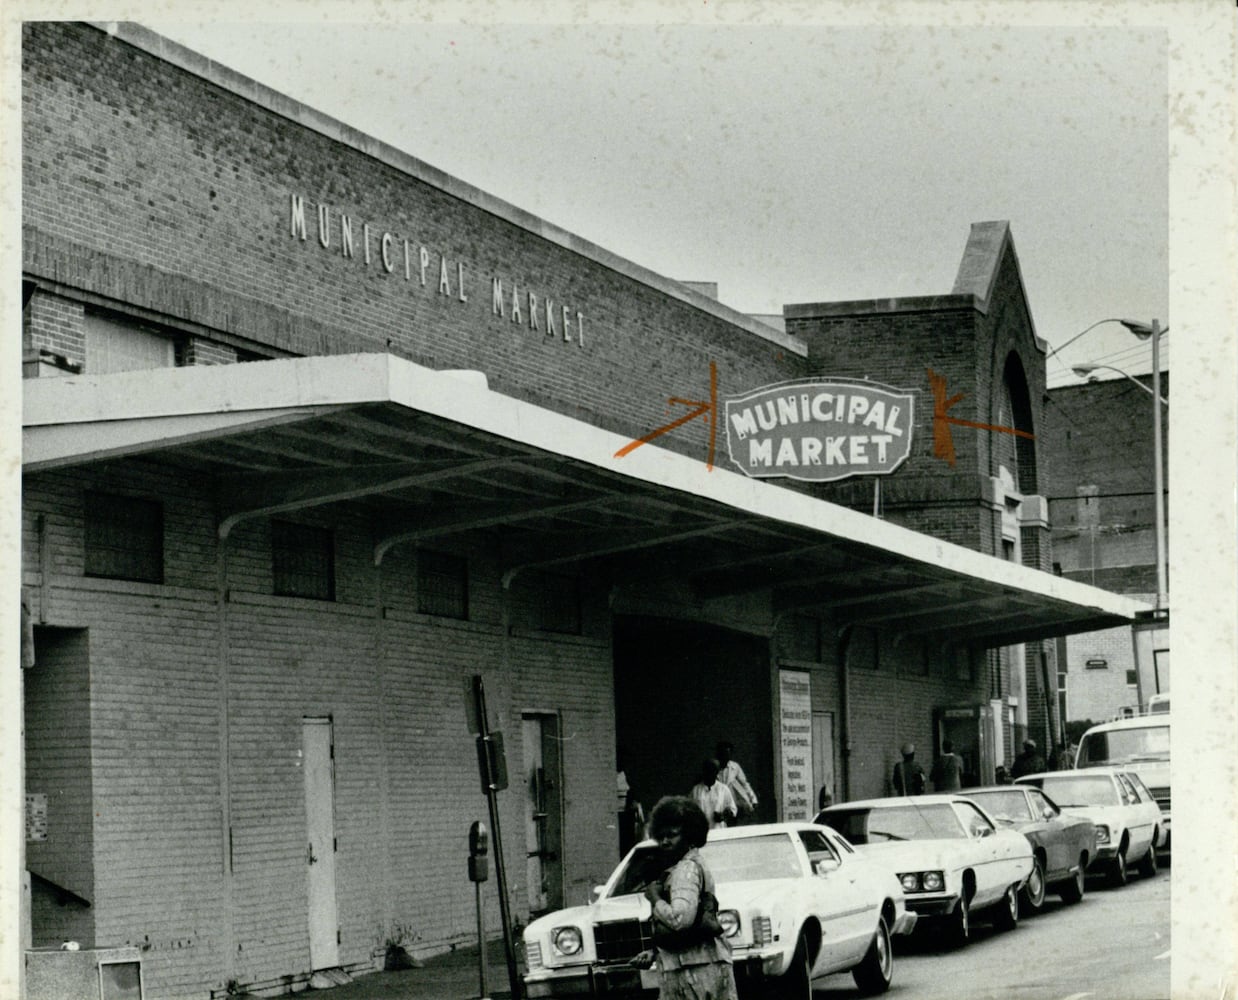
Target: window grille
{"x": 124, "y": 538}
{"x": 302, "y": 561}
{"x": 442, "y": 585}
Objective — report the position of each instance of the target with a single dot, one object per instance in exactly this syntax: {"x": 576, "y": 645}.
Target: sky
{"x": 788, "y": 161}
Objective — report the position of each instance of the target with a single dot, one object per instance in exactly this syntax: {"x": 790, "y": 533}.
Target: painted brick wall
{"x": 391, "y": 679}
{"x": 145, "y": 184}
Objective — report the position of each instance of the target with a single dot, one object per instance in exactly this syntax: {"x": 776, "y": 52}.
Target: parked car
{"x": 796, "y": 901}
{"x": 1062, "y": 845}
{"x": 1128, "y": 822}
{"x": 951, "y": 857}
{"x": 1139, "y": 744}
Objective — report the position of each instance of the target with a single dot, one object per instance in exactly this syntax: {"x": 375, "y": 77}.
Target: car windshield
{"x": 743, "y": 859}
{"x": 1080, "y": 789}
{"x": 1008, "y": 804}
{"x": 1124, "y": 745}
{"x": 881, "y": 823}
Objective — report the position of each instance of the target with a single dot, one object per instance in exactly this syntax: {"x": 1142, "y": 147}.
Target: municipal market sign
{"x": 819, "y": 430}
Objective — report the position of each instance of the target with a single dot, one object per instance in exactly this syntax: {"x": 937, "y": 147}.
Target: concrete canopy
{"x": 436, "y": 453}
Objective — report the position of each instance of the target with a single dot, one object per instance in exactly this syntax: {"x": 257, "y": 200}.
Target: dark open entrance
{"x": 680, "y": 687}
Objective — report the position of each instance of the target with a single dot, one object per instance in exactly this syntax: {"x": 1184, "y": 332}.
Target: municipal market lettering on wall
{"x": 819, "y": 430}
{"x": 427, "y": 268}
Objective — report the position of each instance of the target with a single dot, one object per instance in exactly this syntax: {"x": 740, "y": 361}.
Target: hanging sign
{"x": 819, "y": 430}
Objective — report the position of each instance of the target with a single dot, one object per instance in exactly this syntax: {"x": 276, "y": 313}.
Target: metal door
{"x": 319, "y": 765}
{"x": 543, "y": 780}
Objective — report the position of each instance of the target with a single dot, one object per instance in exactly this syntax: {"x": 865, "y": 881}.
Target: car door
{"x": 987, "y": 848}
{"x": 1059, "y": 847}
{"x": 838, "y": 892}
{"x": 1142, "y": 821}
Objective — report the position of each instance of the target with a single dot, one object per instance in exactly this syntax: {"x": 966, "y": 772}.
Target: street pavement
{"x": 1114, "y": 945}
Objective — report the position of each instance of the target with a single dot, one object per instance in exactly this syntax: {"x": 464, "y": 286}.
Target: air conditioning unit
{"x": 87, "y": 974}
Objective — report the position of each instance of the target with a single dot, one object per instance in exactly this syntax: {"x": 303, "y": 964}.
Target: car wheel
{"x": 796, "y": 983}
{"x": 1032, "y": 895}
{"x": 1117, "y": 869}
{"x": 959, "y": 927}
{"x": 1006, "y": 913}
{"x": 1072, "y": 890}
{"x": 1147, "y": 864}
{"x": 876, "y": 969}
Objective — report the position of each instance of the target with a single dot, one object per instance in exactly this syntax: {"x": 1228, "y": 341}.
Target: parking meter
{"x": 479, "y": 853}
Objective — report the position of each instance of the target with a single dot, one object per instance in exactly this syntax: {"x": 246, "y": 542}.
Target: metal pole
{"x": 500, "y": 869}
{"x": 1162, "y": 582}
{"x": 481, "y": 945}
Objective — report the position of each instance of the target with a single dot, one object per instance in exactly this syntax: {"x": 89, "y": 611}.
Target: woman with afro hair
{"x": 702, "y": 969}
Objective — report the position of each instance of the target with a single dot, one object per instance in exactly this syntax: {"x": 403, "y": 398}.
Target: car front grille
{"x": 621, "y": 940}
{"x": 1162, "y": 797}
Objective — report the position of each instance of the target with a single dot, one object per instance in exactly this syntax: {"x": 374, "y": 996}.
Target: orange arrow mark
{"x": 943, "y": 441}
{"x": 702, "y": 408}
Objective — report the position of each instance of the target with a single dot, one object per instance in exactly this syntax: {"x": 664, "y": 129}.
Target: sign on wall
{"x": 795, "y": 724}
{"x": 819, "y": 430}
{"x": 36, "y": 816}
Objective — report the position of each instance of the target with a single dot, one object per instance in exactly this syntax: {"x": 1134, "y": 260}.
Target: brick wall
{"x": 54, "y": 324}
{"x": 174, "y": 195}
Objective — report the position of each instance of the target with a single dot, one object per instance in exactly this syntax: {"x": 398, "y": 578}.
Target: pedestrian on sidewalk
{"x": 947, "y": 772}
{"x": 908, "y": 774}
{"x": 731, "y": 774}
{"x": 713, "y": 797}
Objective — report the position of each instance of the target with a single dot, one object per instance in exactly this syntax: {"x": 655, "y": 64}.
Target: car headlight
{"x": 729, "y": 919}
{"x": 1102, "y": 834}
{"x": 932, "y": 881}
{"x": 568, "y": 941}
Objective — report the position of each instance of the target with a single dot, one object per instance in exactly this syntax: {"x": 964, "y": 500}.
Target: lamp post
{"x": 1151, "y": 332}
{"x": 1083, "y": 371}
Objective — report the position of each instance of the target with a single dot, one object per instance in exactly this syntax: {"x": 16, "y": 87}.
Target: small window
{"x": 124, "y": 538}
{"x": 1132, "y": 678}
{"x": 559, "y": 605}
{"x": 303, "y": 561}
{"x": 116, "y": 346}
{"x": 442, "y": 585}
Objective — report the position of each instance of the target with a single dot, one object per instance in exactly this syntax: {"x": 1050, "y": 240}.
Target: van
{"x": 1158, "y": 703}
{"x": 1140, "y": 744}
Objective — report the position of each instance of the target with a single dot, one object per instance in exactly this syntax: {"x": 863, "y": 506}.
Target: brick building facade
{"x": 1099, "y": 439}
{"x": 314, "y": 433}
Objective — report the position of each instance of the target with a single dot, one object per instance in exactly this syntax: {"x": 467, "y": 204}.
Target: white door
{"x": 316, "y": 743}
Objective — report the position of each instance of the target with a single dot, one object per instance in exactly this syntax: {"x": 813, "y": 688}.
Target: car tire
{"x": 1148, "y": 866}
{"x": 1032, "y": 895}
{"x": 796, "y": 982}
{"x": 1006, "y": 913}
{"x": 876, "y": 968}
{"x": 1071, "y": 890}
{"x": 958, "y": 928}
{"x": 1117, "y": 870}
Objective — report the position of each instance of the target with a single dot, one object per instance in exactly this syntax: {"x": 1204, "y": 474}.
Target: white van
{"x": 1140, "y": 744}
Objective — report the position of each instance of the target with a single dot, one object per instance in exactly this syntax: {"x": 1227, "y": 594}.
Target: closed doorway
{"x": 543, "y": 782}
{"x": 318, "y": 753}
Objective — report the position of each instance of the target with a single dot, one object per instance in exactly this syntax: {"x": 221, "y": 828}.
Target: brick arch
{"x": 1014, "y": 409}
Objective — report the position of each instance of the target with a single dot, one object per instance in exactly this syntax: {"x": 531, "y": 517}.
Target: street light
{"x": 1083, "y": 371}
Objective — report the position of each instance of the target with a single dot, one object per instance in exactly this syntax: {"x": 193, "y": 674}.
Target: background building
{"x": 1099, "y": 440}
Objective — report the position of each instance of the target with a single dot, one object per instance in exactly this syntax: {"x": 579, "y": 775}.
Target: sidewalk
{"x": 453, "y": 976}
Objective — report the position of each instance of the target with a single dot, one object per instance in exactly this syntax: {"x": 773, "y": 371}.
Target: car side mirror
{"x": 823, "y": 866}
{"x": 596, "y": 892}
{"x": 1049, "y": 812}
{"x": 985, "y": 831}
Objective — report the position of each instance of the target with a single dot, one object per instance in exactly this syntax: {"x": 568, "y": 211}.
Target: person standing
{"x": 698, "y": 966}
{"x": 908, "y": 774}
{"x": 731, "y": 774}
{"x": 947, "y": 771}
{"x": 1028, "y": 762}
{"x": 713, "y": 797}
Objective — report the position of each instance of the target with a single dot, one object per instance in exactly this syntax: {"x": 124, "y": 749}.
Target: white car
{"x": 1129, "y": 824}
{"x": 951, "y": 857}
{"x": 796, "y": 902}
